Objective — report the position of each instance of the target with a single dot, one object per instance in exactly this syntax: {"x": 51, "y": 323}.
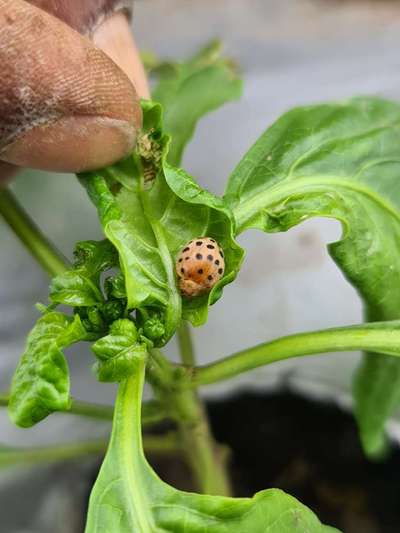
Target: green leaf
{"x": 199, "y": 213}
{"x": 80, "y": 286}
{"x": 118, "y": 351}
{"x": 192, "y": 89}
{"x": 40, "y": 384}
{"x": 114, "y": 286}
{"x": 149, "y": 225}
{"x": 340, "y": 161}
{"x": 128, "y": 496}
{"x": 94, "y": 257}
{"x": 71, "y": 288}
{"x": 153, "y": 328}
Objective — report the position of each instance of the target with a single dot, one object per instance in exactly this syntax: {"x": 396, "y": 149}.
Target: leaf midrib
{"x": 136, "y": 260}
{"x": 313, "y": 149}
{"x": 130, "y": 441}
{"x": 174, "y": 305}
{"x": 262, "y": 200}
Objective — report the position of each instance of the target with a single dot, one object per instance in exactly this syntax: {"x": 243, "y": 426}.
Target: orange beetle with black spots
{"x": 199, "y": 266}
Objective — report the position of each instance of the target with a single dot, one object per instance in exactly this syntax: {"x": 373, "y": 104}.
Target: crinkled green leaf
{"x": 94, "y": 257}
{"x": 114, "y": 286}
{"x": 190, "y": 90}
{"x": 117, "y": 352}
{"x": 72, "y": 288}
{"x": 205, "y": 215}
{"x": 149, "y": 226}
{"x": 340, "y": 161}
{"x": 40, "y": 384}
{"x": 80, "y": 286}
{"x": 129, "y": 497}
{"x": 153, "y": 328}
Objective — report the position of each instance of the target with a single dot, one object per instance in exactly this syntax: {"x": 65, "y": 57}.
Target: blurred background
{"x": 291, "y": 52}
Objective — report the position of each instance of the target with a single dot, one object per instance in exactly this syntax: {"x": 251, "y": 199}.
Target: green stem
{"x": 4, "y": 397}
{"x": 205, "y": 459}
{"x": 152, "y": 411}
{"x": 90, "y": 410}
{"x": 185, "y": 344}
{"x": 49, "y": 454}
{"x": 30, "y": 235}
{"x": 167, "y": 444}
{"x": 382, "y": 337}
{"x": 159, "y": 371}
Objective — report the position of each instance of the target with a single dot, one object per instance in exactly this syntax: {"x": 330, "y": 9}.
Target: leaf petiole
{"x": 152, "y": 411}
{"x": 185, "y": 343}
{"x": 52, "y": 261}
{"x": 383, "y": 337}
{"x": 10, "y": 457}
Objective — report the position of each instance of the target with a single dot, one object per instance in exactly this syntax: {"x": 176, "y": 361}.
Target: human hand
{"x": 64, "y": 105}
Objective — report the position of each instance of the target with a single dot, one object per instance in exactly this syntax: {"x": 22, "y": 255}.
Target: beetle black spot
{"x": 200, "y": 271}
{"x": 212, "y": 240}
{"x": 220, "y": 270}
{"x": 210, "y": 246}
{"x": 187, "y": 258}
{"x": 222, "y": 253}
{"x": 182, "y": 270}
{"x": 199, "y": 256}
{"x": 209, "y": 278}
{"x": 186, "y": 249}
{"x": 210, "y": 257}
{"x": 180, "y": 260}
{"x": 199, "y": 243}
{"x": 216, "y": 262}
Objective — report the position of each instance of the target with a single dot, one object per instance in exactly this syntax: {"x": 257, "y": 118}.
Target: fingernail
{"x": 86, "y": 143}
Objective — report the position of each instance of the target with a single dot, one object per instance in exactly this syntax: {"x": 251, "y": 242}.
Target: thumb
{"x": 64, "y": 105}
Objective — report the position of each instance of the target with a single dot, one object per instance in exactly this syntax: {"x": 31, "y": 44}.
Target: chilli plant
{"x": 169, "y": 251}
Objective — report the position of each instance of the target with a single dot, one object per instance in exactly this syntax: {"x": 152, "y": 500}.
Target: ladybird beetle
{"x": 199, "y": 266}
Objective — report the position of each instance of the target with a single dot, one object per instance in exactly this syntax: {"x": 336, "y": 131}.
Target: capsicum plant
{"x": 130, "y": 293}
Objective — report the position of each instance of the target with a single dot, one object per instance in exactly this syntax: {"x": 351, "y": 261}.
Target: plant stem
{"x": 159, "y": 372}
{"x": 90, "y": 410}
{"x": 154, "y": 444}
{"x": 382, "y": 337}
{"x": 4, "y": 399}
{"x": 30, "y": 235}
{"x": 49, "y": 454}
{"x": 204, "y": 457}
{"x": 185, "y": 344}
{"x": 152, "y": 411}
{"x": 166, "y": 444}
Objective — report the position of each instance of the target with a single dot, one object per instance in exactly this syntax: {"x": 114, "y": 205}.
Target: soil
{"x": 311, "y": 450}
